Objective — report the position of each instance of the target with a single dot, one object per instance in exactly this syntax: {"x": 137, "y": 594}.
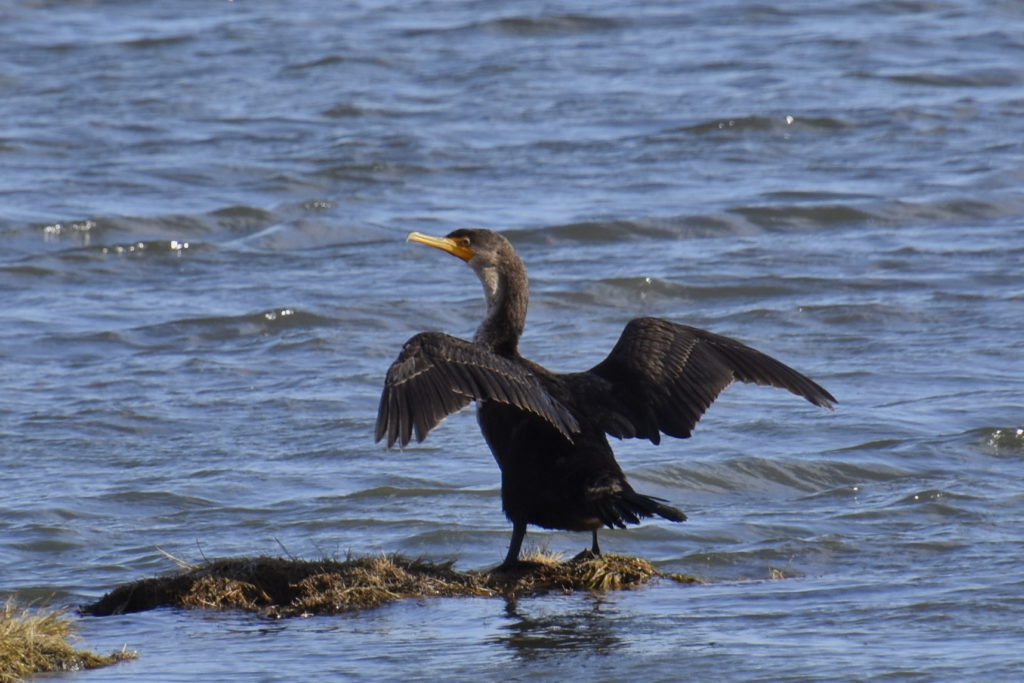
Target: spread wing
{"x": 436, "y": 374}
{"x": 661, "y": 377}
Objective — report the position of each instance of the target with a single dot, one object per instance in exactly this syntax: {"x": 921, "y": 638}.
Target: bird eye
{"x": 462, "y": 241}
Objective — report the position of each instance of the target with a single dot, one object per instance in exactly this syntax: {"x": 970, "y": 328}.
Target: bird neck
{"x": 507, "y": 294}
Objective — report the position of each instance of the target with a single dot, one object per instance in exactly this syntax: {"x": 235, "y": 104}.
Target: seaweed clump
{"x": 36, "y": 641}
{"x": 277, "y": 587}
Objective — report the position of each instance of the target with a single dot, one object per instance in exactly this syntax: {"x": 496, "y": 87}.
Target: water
{"x": 205, "y": 279}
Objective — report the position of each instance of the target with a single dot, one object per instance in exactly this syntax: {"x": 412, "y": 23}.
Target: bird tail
{"x": 630, "y": 506}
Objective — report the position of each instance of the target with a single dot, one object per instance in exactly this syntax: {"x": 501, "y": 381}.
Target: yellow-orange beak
{"x": 455, "y": 247}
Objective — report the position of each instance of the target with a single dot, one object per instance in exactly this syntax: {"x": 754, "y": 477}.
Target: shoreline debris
{"x": 278, "y": 587}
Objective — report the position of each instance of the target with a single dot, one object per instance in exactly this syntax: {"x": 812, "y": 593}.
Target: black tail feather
{"x": 630, "y": 506}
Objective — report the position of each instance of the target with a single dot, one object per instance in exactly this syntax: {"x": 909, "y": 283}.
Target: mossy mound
{"x": 35, "y": 641}
{"x": 277, "y": 587}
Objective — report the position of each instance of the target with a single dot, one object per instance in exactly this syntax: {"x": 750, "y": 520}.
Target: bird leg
{"x": 514, "y": 546}
{"x": 589, "y": 553}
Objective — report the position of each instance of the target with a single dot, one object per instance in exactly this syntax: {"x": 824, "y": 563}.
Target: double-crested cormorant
{"x": 548, "y": 431}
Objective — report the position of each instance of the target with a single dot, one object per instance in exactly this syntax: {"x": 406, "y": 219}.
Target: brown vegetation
{"x": 278, "y": 587}
{"x": 35, "y": 641}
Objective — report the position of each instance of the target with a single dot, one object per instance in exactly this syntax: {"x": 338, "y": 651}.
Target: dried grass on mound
{"x": 35, "y": 641}
{"x": 278, "y": 587}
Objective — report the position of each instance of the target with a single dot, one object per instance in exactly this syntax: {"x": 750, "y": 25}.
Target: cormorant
{"x": 548, "y": 431}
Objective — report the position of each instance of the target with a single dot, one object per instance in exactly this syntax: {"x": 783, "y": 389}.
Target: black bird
{"x": 548, "y": 431}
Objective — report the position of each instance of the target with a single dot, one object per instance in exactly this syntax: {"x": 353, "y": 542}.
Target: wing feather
{"x": 437, "y": 374}
{"x": 662, "y": 377}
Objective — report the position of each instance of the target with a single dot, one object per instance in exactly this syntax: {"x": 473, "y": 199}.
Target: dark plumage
{"x": 548, "y": 431}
